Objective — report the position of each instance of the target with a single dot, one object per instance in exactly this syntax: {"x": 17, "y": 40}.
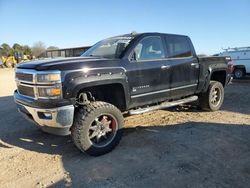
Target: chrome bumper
{"x": 54, "y": 120}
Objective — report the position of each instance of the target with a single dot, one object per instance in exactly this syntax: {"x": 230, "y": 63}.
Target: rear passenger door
{"x": 184, "y": 66}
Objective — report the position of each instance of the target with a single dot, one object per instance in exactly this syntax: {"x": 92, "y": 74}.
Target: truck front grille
{"x": 25, "y": 90}
{"x": 24, "y": 77}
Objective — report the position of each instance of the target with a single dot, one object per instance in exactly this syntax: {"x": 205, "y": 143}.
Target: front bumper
{"x": 56, "y": 120}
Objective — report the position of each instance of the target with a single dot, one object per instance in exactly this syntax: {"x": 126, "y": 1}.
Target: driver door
{"x": 147, "y": 72}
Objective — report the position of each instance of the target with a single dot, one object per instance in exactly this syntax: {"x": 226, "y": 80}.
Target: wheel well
{"x": 219, "y": 76}
{"x": 240, "y": 67}
{"x": 110, "y": 93}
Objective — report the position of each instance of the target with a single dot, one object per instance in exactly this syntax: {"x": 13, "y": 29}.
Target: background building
{"x": 66, "y": 52}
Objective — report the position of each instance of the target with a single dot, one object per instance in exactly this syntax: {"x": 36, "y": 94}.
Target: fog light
{"x": 44, "y": 115}
{"x": 48, "y": 115}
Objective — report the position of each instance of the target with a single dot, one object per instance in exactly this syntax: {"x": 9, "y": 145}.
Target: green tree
{"x": 17, "y": 47}
{"x": 27, "y": 50}
{"x": 6, "y": 50}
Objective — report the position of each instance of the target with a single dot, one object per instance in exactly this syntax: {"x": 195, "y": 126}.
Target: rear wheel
{"x": 239, "y": 73}
{"x": 213, "y": 98}
{"x": 97, "y": 128}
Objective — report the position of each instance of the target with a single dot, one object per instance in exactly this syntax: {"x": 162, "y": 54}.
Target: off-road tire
{"x": 84, "y": 116}
{"x": 205, "y": 99}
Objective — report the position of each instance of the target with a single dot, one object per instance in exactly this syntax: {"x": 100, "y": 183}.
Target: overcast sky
{"x": 211, "y": 24}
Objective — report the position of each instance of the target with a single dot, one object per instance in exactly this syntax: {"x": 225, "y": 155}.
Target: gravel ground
{"x": 178, "y": 147}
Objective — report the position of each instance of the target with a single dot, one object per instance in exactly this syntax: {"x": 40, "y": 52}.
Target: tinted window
{"x": 149, "y": 48}
{"x": 178, "y": 46}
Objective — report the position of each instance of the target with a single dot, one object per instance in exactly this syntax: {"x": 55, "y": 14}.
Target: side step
{"x": 163, "y": 105}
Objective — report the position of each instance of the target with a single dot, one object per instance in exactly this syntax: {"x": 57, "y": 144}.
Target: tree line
{"x": 36, "y": 50}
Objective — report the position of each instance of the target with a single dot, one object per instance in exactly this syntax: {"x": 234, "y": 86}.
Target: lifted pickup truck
{"x": 134, "y": 73}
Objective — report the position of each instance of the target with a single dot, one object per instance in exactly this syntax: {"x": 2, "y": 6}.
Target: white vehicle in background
{"x": 241, "y": 60}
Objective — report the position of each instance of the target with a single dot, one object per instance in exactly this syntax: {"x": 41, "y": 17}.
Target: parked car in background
{"x": 241, "y": 60}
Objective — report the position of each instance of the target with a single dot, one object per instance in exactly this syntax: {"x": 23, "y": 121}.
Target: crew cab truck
{"x": 87, "y": 96}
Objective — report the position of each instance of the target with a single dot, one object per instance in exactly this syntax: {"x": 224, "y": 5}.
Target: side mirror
{"x": 133, "y": 57}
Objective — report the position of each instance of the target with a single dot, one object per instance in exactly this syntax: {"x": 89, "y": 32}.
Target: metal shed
{"x": 66, "y": 52}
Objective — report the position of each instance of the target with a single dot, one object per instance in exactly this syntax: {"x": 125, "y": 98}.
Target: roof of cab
{"x": 134, "y": 34}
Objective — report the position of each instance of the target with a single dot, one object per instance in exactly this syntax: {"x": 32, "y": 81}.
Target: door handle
{"x": 164, "y": 67}
{"x": 194, "y": 64}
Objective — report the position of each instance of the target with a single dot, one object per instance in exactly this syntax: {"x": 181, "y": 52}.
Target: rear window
{"x": 178, "y": 46}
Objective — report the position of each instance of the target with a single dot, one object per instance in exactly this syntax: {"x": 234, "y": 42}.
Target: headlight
{"x": 51, "y": 92}
{"x": 49, "y": 85}
{"x": 50, "y": 77}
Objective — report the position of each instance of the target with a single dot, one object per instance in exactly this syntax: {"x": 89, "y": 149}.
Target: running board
{"x": 163, "y": 105}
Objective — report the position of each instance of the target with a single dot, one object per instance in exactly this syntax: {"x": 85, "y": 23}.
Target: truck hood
{"x": 67, "y": 63}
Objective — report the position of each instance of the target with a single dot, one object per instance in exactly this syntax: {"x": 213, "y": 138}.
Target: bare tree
{"x": 52, "y": 48}
{"x": 38, "y": 49}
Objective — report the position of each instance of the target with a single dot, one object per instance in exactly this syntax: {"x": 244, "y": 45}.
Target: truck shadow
{"x": 192, "y": 154}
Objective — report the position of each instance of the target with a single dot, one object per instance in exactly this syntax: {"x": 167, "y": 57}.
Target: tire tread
{"x": 82, "y": 115}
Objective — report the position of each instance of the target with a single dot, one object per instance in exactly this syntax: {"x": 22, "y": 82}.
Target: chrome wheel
{"x": 215, "y": 96}
{"x": 103, "y": 130}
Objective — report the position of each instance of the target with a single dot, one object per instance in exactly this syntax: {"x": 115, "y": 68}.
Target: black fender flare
{"x": 209, "y": 75}
{"x": 75, "y": 83}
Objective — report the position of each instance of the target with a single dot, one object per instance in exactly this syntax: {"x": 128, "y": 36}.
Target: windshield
{"x": 109, "y": 48}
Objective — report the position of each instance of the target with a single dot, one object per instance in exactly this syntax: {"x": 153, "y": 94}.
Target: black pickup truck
{"x": 87, "y": 96}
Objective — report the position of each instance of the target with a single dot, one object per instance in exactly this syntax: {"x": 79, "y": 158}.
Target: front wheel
{"x": 213, "y": 99}
{"x": 97, "y": 128}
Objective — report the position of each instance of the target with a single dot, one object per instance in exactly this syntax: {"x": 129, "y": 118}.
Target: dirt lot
{"x": 180, "y": 147}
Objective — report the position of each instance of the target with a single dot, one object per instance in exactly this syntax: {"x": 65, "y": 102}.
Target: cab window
{"x": 178, "y": 46}
{"x": 149, "y": 48}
